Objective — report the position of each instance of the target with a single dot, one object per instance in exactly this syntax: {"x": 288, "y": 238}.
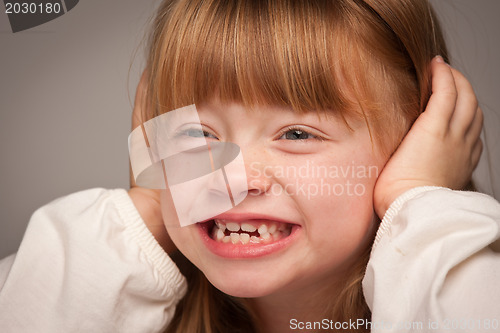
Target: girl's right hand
{"x": 443, "y": 146}
{"x": 147, "y": 201}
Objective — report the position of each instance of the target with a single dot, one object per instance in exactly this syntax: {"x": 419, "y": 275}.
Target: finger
{"x": 474, "y": 130}
{"x": 444, "y": 95}
{"x": 466, "y": 105}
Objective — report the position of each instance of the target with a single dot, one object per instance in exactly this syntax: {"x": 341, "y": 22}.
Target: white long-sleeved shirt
{"x": 433, "y": 267}
{"x": 88, "y": 263}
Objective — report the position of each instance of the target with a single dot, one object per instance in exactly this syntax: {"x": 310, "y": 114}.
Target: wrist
{"x": 385, "y": 202}
{"x": 384, "y": 197}
{"x": 147, "y": 203}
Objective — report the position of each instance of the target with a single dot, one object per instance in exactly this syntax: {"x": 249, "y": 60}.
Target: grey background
{"x": 65, "y": 99}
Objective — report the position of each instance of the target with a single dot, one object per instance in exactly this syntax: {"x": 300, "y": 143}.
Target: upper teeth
{"x": 233, "y": 226}
{"x": 248, "y": 227}
{"x": 221, "y": 226}
{"x": 263, "y": 229}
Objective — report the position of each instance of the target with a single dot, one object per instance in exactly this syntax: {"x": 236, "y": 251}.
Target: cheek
{"x": 184, "y": 240}
{"x": 181, "y": 236}
{"x": 168, "y": 211}
{"x": 338, "y": 233}
{"x": 340, "y": 218}
{"x": 348, "y": 217}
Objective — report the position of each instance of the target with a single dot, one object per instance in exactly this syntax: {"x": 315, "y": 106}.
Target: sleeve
{"x": 433, "y": 267}
{"x": 88, "y": 263}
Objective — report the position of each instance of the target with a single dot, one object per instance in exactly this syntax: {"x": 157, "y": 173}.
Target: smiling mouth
{"x": 245, "y": 236}
{"x": 252, "y": 232}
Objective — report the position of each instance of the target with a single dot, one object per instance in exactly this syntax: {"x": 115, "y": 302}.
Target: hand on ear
{"x": 443, "y": 146}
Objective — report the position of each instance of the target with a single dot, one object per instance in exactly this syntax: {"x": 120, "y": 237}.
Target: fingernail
{"x": 440, "y": 59}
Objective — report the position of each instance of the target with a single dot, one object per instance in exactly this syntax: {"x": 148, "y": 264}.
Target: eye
{"x": 196, "y": 133}
{"x": 296, "y": 133}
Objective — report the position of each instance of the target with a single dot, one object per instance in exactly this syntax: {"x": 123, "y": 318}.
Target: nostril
{"x": 258, "y": 186}
{"x": 255, "y": 192}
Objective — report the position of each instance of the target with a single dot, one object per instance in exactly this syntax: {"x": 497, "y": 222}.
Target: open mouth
{"x": 249, "y": 232}
{"x": 247, "y": 237}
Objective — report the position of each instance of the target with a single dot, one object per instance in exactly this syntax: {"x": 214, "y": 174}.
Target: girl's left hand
{"x": 443, "y": 146}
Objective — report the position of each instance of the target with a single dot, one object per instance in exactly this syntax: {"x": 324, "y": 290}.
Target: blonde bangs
{"x": 305, "y": 55}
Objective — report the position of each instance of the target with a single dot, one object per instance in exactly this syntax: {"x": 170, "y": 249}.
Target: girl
{"x": 330, "y": 87}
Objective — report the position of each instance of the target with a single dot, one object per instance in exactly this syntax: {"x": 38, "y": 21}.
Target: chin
{"x": 245, "y": 283}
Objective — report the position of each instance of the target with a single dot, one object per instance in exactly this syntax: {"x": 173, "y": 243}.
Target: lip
{"x": 247, "y": 216}
{"x": 240, "y": 251}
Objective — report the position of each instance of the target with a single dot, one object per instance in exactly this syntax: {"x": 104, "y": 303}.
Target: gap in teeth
{"x": 247, "y": 233}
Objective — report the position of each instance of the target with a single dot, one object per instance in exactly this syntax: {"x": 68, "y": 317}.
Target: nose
{"x": 228, "y": 172}
{"x": 242, "y": 171}
{"x": 258, "y": 181}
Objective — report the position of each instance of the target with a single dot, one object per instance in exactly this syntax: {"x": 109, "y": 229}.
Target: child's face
{"x": 310, "y": 184}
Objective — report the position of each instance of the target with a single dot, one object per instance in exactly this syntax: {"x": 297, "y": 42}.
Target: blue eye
{"x": 198, "y": 133}
{"x": 296, "y": 134}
